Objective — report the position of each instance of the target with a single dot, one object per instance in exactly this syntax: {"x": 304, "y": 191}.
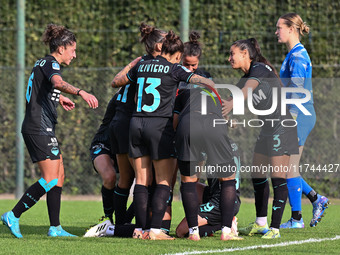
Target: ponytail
{"x": 172, "y": 44}
{"x": 56, "y": 36}
{"x": 193, "y": 47}
{"x": 294, "y": 20}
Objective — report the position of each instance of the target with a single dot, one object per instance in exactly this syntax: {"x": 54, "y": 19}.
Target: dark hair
{"x": 193, "y": 47}
{"x": 56, "y": 36}
{"x": 172, "y": 44}
{"x": 150, "y": 36}
{"x": 254, "y": 50}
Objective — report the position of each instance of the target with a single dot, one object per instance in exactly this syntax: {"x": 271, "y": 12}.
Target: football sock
{"x": 294, "y": 186}
{"x": 261, "y": 221}
{"x": 159, "y": 205}
{"x": 108, "y": 205}
{"x": 207, "y": 230}
{"x": 296, "y": 215}
{"x": 120, "y": 199}
{"x": 228, "y": 196}
{"x": 130, "y": 213}
{"x": 312, "y": 196}
{"x": 306, "y": 189}
{"x": 28, "y": 199}
{"x": 261, "y": 192}
{"x": 140, "y": 200}
{"x": 124, "y": 230}
{"x": 190, "y": 202}
{"x": 166, "y": 224}
{"x": 53, "y": 198}
{"x": 279, "y": 201}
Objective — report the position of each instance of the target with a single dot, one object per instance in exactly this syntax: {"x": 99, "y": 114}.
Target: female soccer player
{"x": 195, "y": 135}
{"x": 275, "y": 143}
{"x": 296, "y": 72}
{"x": 151, "y": 130}
{"x": 38, "y": 129}
{"x": 152, "y": 38}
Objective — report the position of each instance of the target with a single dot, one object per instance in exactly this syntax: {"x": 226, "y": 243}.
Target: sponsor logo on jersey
{"x": 55, "y": 66}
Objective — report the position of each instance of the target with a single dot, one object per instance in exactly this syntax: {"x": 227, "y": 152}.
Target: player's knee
{"x": 109, "y": 180}
{"x": 48, "y": 185}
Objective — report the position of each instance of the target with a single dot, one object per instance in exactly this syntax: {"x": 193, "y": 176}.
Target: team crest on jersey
{"x": 55, "y": 151}
{"x": 55, "y": 66}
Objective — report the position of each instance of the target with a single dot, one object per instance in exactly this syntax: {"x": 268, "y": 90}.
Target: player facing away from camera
{"x": 296, "y": 72}
{"x": 151, "y": 129}
{"x": 152, "y": 38}
{"x": 195, "y": 136}
{"x": 38, "y": 129}
{"x": 275, "y": 144}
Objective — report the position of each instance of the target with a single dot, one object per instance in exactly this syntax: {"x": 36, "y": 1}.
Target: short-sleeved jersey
{"x": 189, "y": 98}
{"x": 42, "y": 98}
{"x": 296, "y": 72}
{"x": 126, "y": 95}
{"x": 157, "y": 81}
{"x": 103, "y": 132}
{"x": 263, "y": 96}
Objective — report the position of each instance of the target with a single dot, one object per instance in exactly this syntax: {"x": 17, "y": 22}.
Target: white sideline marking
{"x": 311, "y": 240}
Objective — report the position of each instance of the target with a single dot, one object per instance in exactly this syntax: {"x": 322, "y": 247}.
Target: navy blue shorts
{"x": 153, "y": 136}
{"x": 42, "y": 147}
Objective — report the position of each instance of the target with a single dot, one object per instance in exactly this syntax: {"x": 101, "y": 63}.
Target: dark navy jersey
{"x": 42, "y": 98}
{"x": 189, "y": 98}
{"x": 126, "y": 95}
{"x": 157, "y": 81}
{"x": 262, "y": 96}
{"x": 103, "y": 133}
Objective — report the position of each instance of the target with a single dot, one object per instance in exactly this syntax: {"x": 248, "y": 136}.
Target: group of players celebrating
{"x": 154, "y": 126}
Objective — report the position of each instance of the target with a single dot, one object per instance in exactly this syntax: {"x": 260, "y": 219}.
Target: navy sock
{"x": 130, "y": 213}
{"x": 28, "y": 199}
{"x": 159, "y": 205}
{"x": 190, "y": 202}
{"x": 124, "y": 230}
{"x": 166, "y": 224}
{"x": 120, "y": 198}
{"x": 140, "y": 200}
{"x": 261, "y": 190}
{"x": 228, "y": 196}
{"x": 108, "y": 202}
{"x": 279, "y": 202}
{"x": 53, "y": 200}
{"x": 207, "y": 230}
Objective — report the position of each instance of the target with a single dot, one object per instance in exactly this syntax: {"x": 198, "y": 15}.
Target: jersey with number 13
{"x": 157, "y": 81}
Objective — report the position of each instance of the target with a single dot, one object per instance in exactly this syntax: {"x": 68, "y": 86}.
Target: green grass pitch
{"x": 76, "y": 216}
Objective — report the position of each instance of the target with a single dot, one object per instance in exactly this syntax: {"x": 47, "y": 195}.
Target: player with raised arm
{"x": 196, "y": 135}
{"x": 151, "y": 130}
{"x": 38, "y": 129}
{"x": 296, "y": 72}
{"x": 275, "y": 143}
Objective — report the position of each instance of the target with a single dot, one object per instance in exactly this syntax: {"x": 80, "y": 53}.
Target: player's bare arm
{"x": 200, "y": 80}
{"x": 63, "y": 86}
{"x": 121, "y": 79}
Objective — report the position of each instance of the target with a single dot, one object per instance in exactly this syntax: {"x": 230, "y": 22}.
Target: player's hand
{"x": 90, "y": 99}
{"x": 227, "y": 106}
{"x": 66, "y": 103}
